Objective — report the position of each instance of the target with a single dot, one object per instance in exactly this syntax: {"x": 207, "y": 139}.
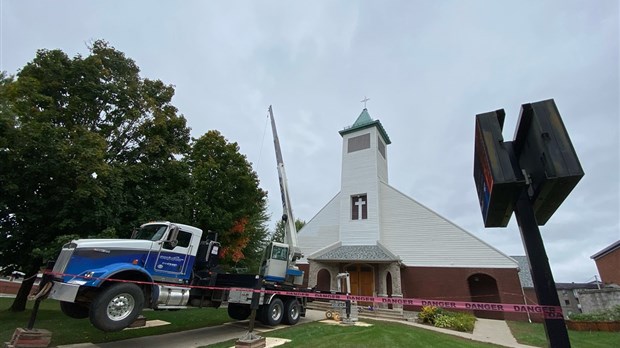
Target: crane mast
{"x": 290, "y": 230}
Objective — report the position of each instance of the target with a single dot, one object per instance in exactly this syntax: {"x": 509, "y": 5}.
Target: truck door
{"x": 174, "y": 260}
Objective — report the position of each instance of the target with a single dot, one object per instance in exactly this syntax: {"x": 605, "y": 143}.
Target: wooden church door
{"x": 362, "y": 281}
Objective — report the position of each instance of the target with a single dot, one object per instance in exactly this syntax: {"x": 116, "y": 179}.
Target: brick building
{"x": 391, "y": 244}
{"x": 608, "y": 263}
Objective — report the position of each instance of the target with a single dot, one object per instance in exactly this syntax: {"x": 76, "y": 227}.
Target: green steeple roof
{"x": 362, "y": 119}
{"x": 365, "y": 121}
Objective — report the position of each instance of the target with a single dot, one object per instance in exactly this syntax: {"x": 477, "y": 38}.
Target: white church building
{"x": 392, "y": 245}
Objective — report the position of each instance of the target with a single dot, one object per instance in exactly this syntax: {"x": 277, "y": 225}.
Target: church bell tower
{"x": 364, "y": 165}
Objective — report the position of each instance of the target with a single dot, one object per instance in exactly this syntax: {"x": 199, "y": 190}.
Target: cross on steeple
{"x": 364, "y": 101}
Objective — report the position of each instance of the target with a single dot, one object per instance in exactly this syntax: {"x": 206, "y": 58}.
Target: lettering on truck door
{"x": 173, "y": 260}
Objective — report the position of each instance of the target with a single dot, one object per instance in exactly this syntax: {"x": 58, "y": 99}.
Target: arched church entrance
{"x": 362, "y": 280}
{"x": 323, "y": 280}
{"x": 483, "y": 288}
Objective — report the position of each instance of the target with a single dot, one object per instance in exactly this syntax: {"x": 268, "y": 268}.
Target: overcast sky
{"x": 428, "y": 68}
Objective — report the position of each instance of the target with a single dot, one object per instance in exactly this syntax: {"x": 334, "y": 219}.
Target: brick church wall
{"x": 443, "y": 283}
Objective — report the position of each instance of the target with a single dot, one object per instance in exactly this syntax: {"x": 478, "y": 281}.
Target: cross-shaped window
{"x": 359, "y": 207}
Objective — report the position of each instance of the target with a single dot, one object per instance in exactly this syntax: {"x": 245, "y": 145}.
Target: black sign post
{"x": 544, "y": 285}
{"x": 531, "y": 175}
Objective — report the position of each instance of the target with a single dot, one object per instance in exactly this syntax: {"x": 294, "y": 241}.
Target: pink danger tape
{"x": 548, "y": 312}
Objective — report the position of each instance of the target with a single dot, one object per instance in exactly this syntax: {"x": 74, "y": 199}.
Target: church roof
{"x": 365, "y": 121}
{"x": 369, "y": 253}
{"x": 606, "y": 251}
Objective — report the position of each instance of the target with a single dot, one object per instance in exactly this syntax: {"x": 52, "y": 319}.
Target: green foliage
{"x": 444, "y": 321}
{"x": 439, "y": 317}
{"x": 611, "y": 314}
{"x": 226, "y": 197}
{"x": 429, "y": 314}
{"x": 463, "y": 322}
{"x": 278, "y": 234}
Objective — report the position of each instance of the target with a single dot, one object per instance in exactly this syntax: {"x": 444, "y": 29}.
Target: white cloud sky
{"x": 429, "y": 67}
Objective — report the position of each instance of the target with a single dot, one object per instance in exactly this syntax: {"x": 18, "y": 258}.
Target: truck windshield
{"x": 151, "y": 232}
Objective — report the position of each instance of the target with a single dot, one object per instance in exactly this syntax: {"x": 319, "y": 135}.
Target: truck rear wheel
{"x": 116, "y": 307}
{"x": 273, "y": 312}
{"x": 239, "y": 311}
{"x": 74, "y": 310}
{"x": 292, "y": 311}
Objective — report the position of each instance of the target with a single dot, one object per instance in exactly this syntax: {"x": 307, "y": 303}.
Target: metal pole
{"x": 557, "y": 334}
{"x": 529, "y": 319}
{"x": 254, "y": 304}
{"x": 33, "y": 315}
{"x": 598, "y": 285}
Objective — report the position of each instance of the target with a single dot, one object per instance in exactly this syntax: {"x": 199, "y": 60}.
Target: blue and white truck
{"x": 171, "y": 266}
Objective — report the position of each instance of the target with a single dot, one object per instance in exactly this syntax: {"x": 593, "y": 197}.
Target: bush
{"x": 429, "y": 314}
{"x": 612, "y": 314}
{"x": 463, "y": 322}
{"x": 437, "y": 317}
{"x": 445, "y": 321}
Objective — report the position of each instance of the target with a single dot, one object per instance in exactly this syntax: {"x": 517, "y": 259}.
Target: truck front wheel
{"x": 74, "y": 310}
{"x": 273, "y": 312}
{"x": 116, "y": 307}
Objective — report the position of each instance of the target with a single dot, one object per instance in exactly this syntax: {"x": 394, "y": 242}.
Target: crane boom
{"x": 290, "y": 230}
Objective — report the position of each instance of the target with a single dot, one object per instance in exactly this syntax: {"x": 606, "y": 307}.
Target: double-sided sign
{"x": 541, "y": 155}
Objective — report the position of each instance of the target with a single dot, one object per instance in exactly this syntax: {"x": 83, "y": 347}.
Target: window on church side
{"x": 359, "y": 142}
{"x": 381, "y": 147}
{"x": 359, "y": 207}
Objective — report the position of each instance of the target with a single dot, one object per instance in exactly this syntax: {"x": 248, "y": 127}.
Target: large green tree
{"x": 227, "y": 199}
{"x": 87, "y": 145}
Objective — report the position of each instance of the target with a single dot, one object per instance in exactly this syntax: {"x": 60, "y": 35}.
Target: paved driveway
{"x": 198, "y": 337}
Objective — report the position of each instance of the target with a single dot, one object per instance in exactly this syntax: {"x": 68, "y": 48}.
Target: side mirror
{"x": 172, "y": 240}
{"x": 170, "y": 244}
{"x": 134, "y": 233}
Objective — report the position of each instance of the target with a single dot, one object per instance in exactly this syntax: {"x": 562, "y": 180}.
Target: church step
{"x": 363, "y": 311}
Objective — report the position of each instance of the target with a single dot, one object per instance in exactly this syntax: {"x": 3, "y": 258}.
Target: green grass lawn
{"x": 381, "y": 334}
{"x": 67, "y": 331}
{"x": 534, "y": 335}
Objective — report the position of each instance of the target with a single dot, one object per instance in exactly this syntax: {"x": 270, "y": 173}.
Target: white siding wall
{"x": 422, "y": 237}
{"x": 382, "y": 168}
{"x": 322, "y": 230}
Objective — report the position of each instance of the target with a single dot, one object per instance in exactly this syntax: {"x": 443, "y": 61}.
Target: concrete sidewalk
{"x": 486, "y": 330}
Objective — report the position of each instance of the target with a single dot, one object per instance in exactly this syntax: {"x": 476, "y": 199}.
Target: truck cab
{"x": 111, "y": 280}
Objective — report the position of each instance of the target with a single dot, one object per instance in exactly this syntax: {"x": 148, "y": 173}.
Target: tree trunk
{"x": 19, "y": 304}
